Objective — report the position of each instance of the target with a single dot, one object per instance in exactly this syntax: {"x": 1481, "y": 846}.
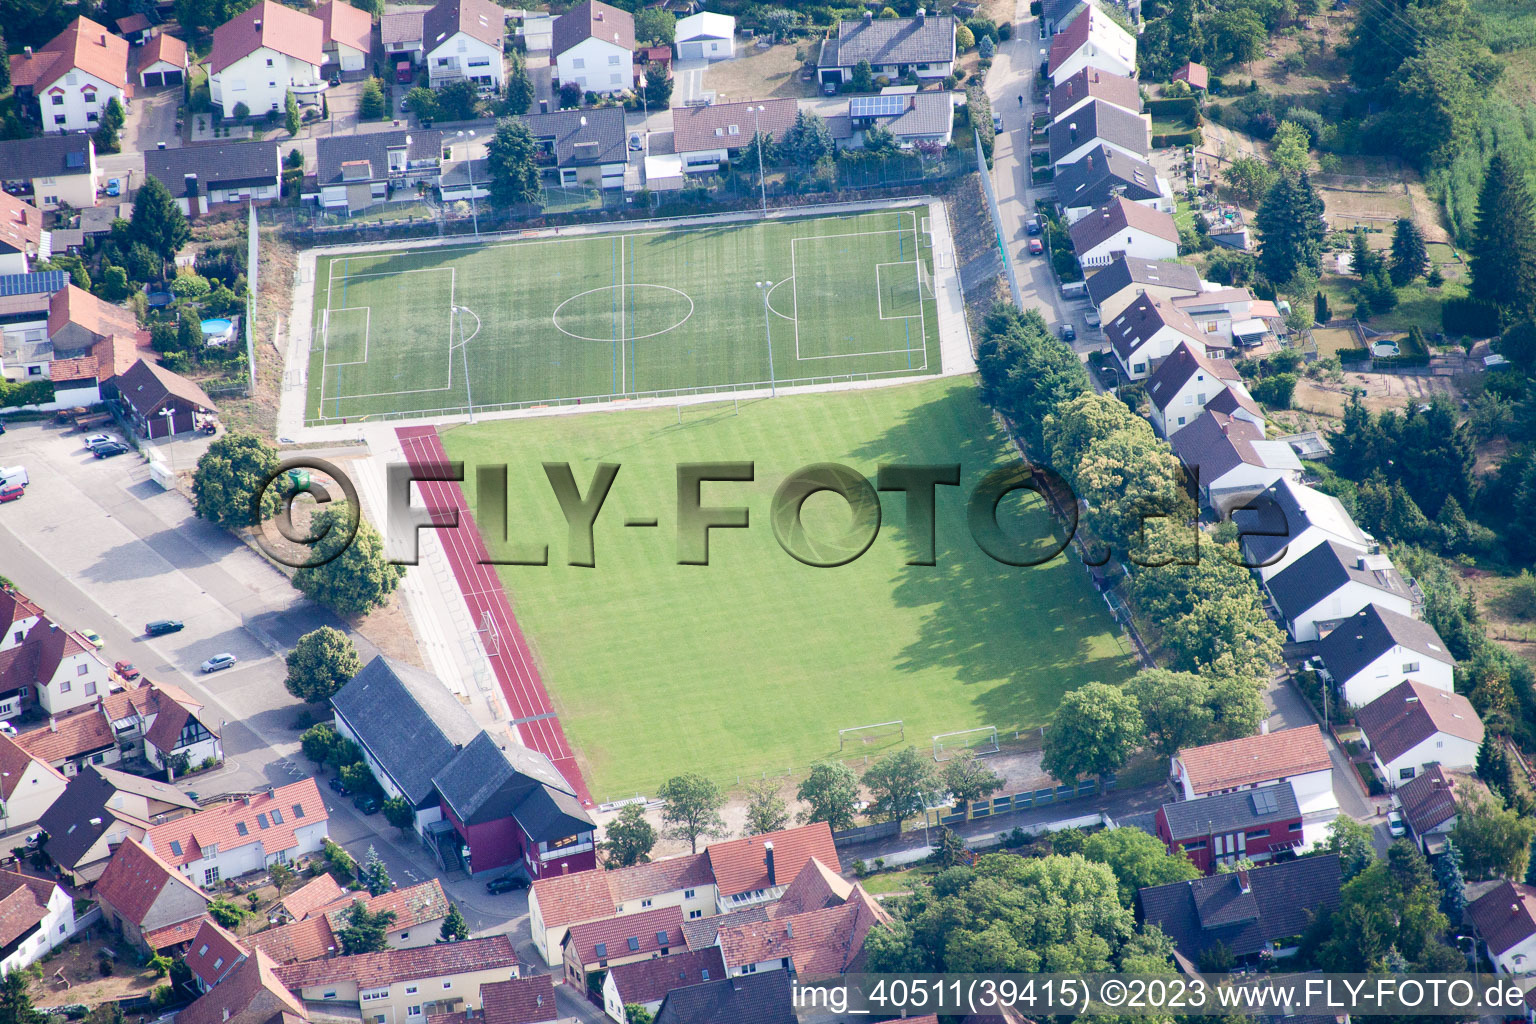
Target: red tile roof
{"x": 1428, "y": 801}
{"x": 413, "y": 905}
{"x": 345, "y": 24}
{"x": 23, "y": 904}
{"x": 740, "y": 865}
{"x": 250, "y": 995}
{"x": 21, "y": 224}
{"x": 135, "y": 878}
{"x": 173, "y": 934}
{"x": 819, "y": 942}
{"x": 82, "y": 731}
{"x": 116, "y": 354}
{"x": 14, "y": 607}
{"x": 519, "y": 1001}
{"x": 392, "y": 965}
{"x": 164, "y": 48}
{"x": 698, "y": 129}
{"x": 1411, "y": 713}
{"x": 272, "y": 25}
{"x": 313, "y": 896}
{"x": 13, "y": 763}
{"x": 84, "y": 45}
{"x": 132, "y": 23}
{"x": 213, "y": 954}
{"x": 649, "y": 980}
{"x": 1505, "y": 916}
{"x": 79, "y": 368}
{"x": 240, "y": 823}
{"x": 296, "y": 943}
{"x": 1069, "y": 40}
{"x": 628, "y": 935}
{"x": 1243, "y": 762}
{"x": 596, "y": 894}
{"x": 815, "y": 887}
{"x": 171, "y": 717}
{"x": 1197, "y": 75}
{"x": 71, "y": 305}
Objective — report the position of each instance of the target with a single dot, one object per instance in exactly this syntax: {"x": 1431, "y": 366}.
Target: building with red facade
{"x": 1259, "y": 824}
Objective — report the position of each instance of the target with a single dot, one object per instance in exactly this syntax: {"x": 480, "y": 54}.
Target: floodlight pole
{"x": 473, "y": 211}
{"x": 765, "y": 287}
{"x": 757, "y": 141}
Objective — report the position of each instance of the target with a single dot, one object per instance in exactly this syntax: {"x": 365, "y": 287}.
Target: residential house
{"x": 1197, "y": 75}
{"x": 24, "y": 349}
{"x": 160, "y": 403}
{"x": 202, "y": 177}
{"x": 1104, "y": 175}
{"x": 706, "y": 36}
{"x": 594, "y": 46}
{"x": 1054, "y": 15}
{"x": 586, "y": 147}
{"x": 707, "y": 136}
{"x": 71, "y": 79}
{"x": 557, "y": 902}
{"x": 1223, "y": 315}
{"x": 22, "y": 238}
{"x": 1230, "y": 459}
{"x": 1412, "y": 726}
{"x": 742, "y": 999}
{"x": 1257, "y": 824}
{"x": 135, "y": 28}
{"x": 346, "y": 36}
{"x": 356, "y": 172}
{"x": 1089, "y": 85}
{"x": 1097, "y": 124}
{"x": 1119, "y": 283}
{"x": 297, "y": 942}
{"x": 55, "y": 170}
{"x": 313, "y": 897}
{"x": 1288, "y": 521}
{"x": 1377, "y": 648}
{"x": 29, "y": 786}
{"x": 247, "y": 834}
{"x": 1123, "y": 228}
{"x": 1248, "y": 912}
{"x": 1147, "y": 332}
{"x": 36, "y": 917}
{"x": 757, "y": 869}
{"x": 51, "y": 668}
{"x": 646, "y": 983}
{"x": 1332, "y": 582}
{"x": 599, "y": 945}
{"x": 1504, "y": 918}
{"x": 77, "y": 323}
{"x": 213, "y": 955}
{"x": 97, "y": 811}
{"x": 17, "y": 616}
{"x": 402, "y": 34}
{"x": 147, "y": 900}
{"x": 250, "y": 994}
{"x": 404, "y": 986}
{"x": 163, "y": 63}
{"x": 1428, "y": 805}
{"x": 73, "y": 740}
{"x": 893, "y": 47}
{"x": 463, "y": 40}
{"x": 912, "y": 117}
{"x": 815, "y": 944}
{"x": 155, "y": 720}
{"x": 1298, "y": 756}
{"x": 1091, "y": 40}
{"x": 528, "y": 1000}
{"x": 419, "y": 910}
{"x": 1189, "y": 382}
{"x": 262, "y": 54}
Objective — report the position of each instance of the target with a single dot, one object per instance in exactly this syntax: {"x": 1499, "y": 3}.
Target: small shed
{"x": 1197, "y": 75}
{"x": 135, "y": 28}
{"x": 160, "y": 402}
{"x": 706, "y": 36}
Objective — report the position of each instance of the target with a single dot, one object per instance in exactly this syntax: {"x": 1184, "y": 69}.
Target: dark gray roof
{"x": 480, "y": 19}
{"x": 890, "y": 41}
{"x": 1124, "y": 271}
{"x": 581, "y": 137}
{"x": 334, "y": 150}
{"x": 235, "y": 164}
{"x": 68, "y": 820}
{"x": 1139, "y": 321}
{"x": 1323, "y": 570}
{"x": 409, "y": 721}
{"x": 45, "y": 156}
{"x": 1118, "y": 216}
{"x": 1057, "y": 10}
{"x": 1372, "y": 632}
{"x": 930, "y": 113}
{"x": 1229, "y": 812}
{"x": 1275, "y": 518}
{"x": 1281, "y": 902}
{"x": 1092, "y": 180}
{"x": 1183, "y": 363}
{"x": 592, "y": 19}
{"x": 490, "y": 780}
{"x": 1092, "y": 83}
{"x": 746, "y": 999}
{"x": 1215, "y": 444}
{"x": 1428, "y": 801}
{"x": 1098, "y": 120}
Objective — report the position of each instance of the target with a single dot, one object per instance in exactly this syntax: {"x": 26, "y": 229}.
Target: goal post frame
{"x": 898, "y": 726}
{"x": 982, "y": 747}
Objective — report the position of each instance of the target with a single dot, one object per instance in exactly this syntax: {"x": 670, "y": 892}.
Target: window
{"x": 1259, "y": 833}
{"x": 1411, "y": 666}
{"x": 1295, "y": 826}
{"x": 704, "y": 974}
{"x": 1189, "y": 399}
{"x": 645, "y": 903}
{"x": 99, "y": 759}
{"x": 242, "y": 828}
{"x": 413, "y": 1011}
{"x": 218, "y": 963}
{"x": 90, "y": 689}
{"x": 277, "y": 815}
{"x": 749, "y": 969}
{"x": 448, "y": 984}
{"x": 1406, "y": 773}
{"x": 613, "y": 61}
{"x": 1181, "y": 421}
{"x": 211, "y": 877}
{"x": 634, "y": 943}
{"x": 687, "y": 894}
{"x": 20, "y": 635}
{"x": 1198, "y": 844}
{"x": 615, "y": 79}
{"x": 410, "y": 990}
{"x": 203, "y": 950}
{"x": 64, "y": 686}
{"x": 578, "y": 63}
{"x": 328, "y": 995}
{"x": 58, "y": 100}
{"x": 81, "y": 670}
{"x": 405, "y": 935}
{"x": 1138, "y": 367}
{"x": 269, "y": 62}
{"x": 370, "y": 994}
{"x": 694, "y": 915}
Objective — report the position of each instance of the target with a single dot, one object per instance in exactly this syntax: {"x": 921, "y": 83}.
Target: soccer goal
{"x": 924, "y": 280}
{"x": 489, "y": 635}
{"x": 981, "y": 741}
{"x": 878, "y": 733}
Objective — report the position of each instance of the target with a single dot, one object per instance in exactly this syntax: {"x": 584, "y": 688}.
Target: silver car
{"x": 218, "y": 661}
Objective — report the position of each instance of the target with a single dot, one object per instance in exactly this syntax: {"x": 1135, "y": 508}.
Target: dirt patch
{"x": 757, "y": 74}
{"x": 1322, "y": 67}
{"x": 71, "y": 974}
{"x": 1382, "y": 391}
{"x": 1353, "y": 201}
{"x": 1489, "y": 590}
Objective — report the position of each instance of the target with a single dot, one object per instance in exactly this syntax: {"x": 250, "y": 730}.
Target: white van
{"x": 13, "y": 476}
{"x": 1074, "y": 289}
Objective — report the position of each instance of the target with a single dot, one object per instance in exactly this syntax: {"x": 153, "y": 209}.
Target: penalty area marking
{"x": 452, "y": 291}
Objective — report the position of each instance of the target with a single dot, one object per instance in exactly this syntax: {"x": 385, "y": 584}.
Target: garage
{"x": 173, "y": 78}
{"x": 153, "y": 79}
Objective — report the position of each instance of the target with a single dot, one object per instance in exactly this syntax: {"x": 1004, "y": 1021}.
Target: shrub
{"x": 1471, "y": 317}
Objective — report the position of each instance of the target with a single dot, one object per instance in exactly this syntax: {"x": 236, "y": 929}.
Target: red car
{"x": 126, "y": 670}
{"x": 1035, "y": 248}
{"x": 11, "y": 493}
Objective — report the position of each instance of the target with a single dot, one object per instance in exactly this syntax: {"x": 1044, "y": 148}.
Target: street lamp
{"x": 470, "y": 164}
{"x": 170, "y": 432}
{"x": 757, "y": 141}
{"x": 765, "y": 287}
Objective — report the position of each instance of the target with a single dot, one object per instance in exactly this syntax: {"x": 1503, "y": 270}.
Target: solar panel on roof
{"x": 75, "y": 159}
{"x": 32, "y": 284}
{"x": 877, "y": 106}
{"x": 1264, "y": 802}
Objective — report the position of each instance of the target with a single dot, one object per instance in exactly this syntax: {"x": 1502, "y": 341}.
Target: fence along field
{"x": 592, "y": 317}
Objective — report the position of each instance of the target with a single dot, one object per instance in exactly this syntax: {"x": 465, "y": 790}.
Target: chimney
{"x": 1072, "y": 127}
{"x": 1243, "y": 884}
{"x": 246, "y": 799}
{"x": 1069, "y": 89}
{"x": 258, "y": 24}
{"x": 768, "y": 860}
{"x": 597, "y": 15}
{"x": 103, "y": 39}
{"x": 789, "y": 929}
{"x": 1264, "y": 727}
{"x": 28, "y": 51}
{"x": 565, "y": 867}
{"x": 869, "y": 16}
{"x": 53, "y": 724}
{"x": 922, "y": 15}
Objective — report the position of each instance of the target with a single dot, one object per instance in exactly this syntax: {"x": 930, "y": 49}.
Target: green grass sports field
{"x": 551, "y": 320}
{"x": 753, "y": 662}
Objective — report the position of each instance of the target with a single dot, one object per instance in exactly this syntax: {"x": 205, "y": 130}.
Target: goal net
{"x": 980, "y": 741}
{"x": 490, "y": 636}
{"x": 924, "y": 280}
{"x": 317, "y": 343}
{"x": 878, "y": 733}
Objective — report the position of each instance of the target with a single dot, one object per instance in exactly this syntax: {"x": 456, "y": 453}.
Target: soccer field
{"x": 753, "y": 662}
{"x": 590, "y": 317}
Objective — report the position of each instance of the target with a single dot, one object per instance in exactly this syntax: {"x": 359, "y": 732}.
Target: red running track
{"x": 513, "y": 662}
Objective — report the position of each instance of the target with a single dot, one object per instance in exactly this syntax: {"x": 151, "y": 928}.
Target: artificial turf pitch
{"x": 590, "y": 317}
{"x": 753, "y": 662}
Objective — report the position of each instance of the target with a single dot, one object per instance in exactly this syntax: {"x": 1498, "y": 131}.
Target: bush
{"x": 1275, "y": 391}
{"x": 1470, "y": 317}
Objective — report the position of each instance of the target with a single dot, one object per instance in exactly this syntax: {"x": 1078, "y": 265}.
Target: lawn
{"x": 753, "y": 662}
{"x": 584, "y": 317}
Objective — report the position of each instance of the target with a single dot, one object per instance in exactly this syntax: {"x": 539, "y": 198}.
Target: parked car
{"x": 1036, "y": 247}
{"x": 366, "y": 802}
{"x": 114, "y": 186}
{"x": 635, "y": 144}
{"x": 506, "y": 883}
{"x": 10, "y": 492}
{"x": 337, "y": 786}
{"x": 160, "y": 627}
{"x": 91, "y": 638}
{"x": 96, "y": 439}
{"x": 2, "y": 426}
{"x": 997, "y": 122}
{"x": 126, "y": 670}
{"x": 14, "y": 476}
{"x": 218, "y": 662}
{"x": 108, "y": 449}
{"x": 1068, "y": 332}
{"x": 1032, "y": 225}
{"x": 1395, "y": 824}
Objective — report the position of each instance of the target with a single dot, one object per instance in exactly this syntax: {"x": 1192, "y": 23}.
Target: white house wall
{"x": 1392, "y": 668}
{"x": 1341, "y": 604}
{"x": 463, "y": 56}
{"x": 261, "y": 81}
{"x": 597, "y": 66}
{"x": 76, "y": 102}
{"x": 1451, "y": 752}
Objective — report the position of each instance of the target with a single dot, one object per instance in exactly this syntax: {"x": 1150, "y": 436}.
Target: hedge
{"x": 1173, "y": 140}
{"x": 1469, "y": 317}
{"x": 1184, "y": 105}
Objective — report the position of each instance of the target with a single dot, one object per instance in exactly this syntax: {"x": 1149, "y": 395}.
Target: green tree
{"x": 863, "y": 77}
{"x": 1138, "y": 859}
{"x": 986, "y": 48}
{"x": 1495, "y": 841}
{"x": 1238, "y": 36}
{"x": 1249, "y": 178}
{"x": 319, "y": 742}
{"x": 358, "y": 778}
{"x": 422, "y": 103}
{"x": 322, "y": 662}
{"x": 1437, "y": 100}
{"x": 365, "y": 931}
{"x": 291, "y": 119}
{"x": 228, "y": 476}
{"x": 1320, "y": 311}
{"x": 375, "y": 876}
{"x": 968, "y": 779}
{"x": 340, "y": 861}
{"x": 1352, "y": 842}
{"x": 458, "y": 101}
{"x": 282, "y": 877}
{"x": 5, "y": 66}
{"x": 357, "y": 580}
{"x": 1290, "y": 147}
{"x": 157, "y": 221}
{"x": 1096, "y": 728}
{"x": 808, "y": 140}
{"x": 656, "y": 26}
{"x": 1073, "y": 427}
{"x": 1453, "y": 885}
{"x": 519, "y": 97}
{"x": 1025, "y": 371}
{"x": 191, "y": 285}
{"x": 658, "y": 86}
{"x": 109, "y": 128}
{"x": 454, "y": 928}
{"x": 1502, "y": 253}
{"x": 1228, "y": 636}
{"x": 831, "y": 791}
{"x": 1291, "y": 229}
{"x": 1173, "y": 708}
{"x": 964, "y": 39}
{"x": 1409, "y": 254}
{"x": 1393, "y": 903}
{"x": 113, "y": 286}
{"x": 766, "y": 810}
{"x": 514, "y": 174}
{"x": 225, "y": 913}
{"x": 370, "y": 106}
{"x": 1275, "y": 390}
{"x": 691, "y": 809}
{"x": 1363, "y": 260}
{"x": 399, "y": 813}
{"x": 898, "y": 784}
{"x": 1128, "y": 478}
{"x": 628, "y": 838}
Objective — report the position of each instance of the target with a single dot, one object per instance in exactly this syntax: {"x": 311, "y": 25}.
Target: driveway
{"x": 151, "y": 120}
{"x": 688, "y": 81}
